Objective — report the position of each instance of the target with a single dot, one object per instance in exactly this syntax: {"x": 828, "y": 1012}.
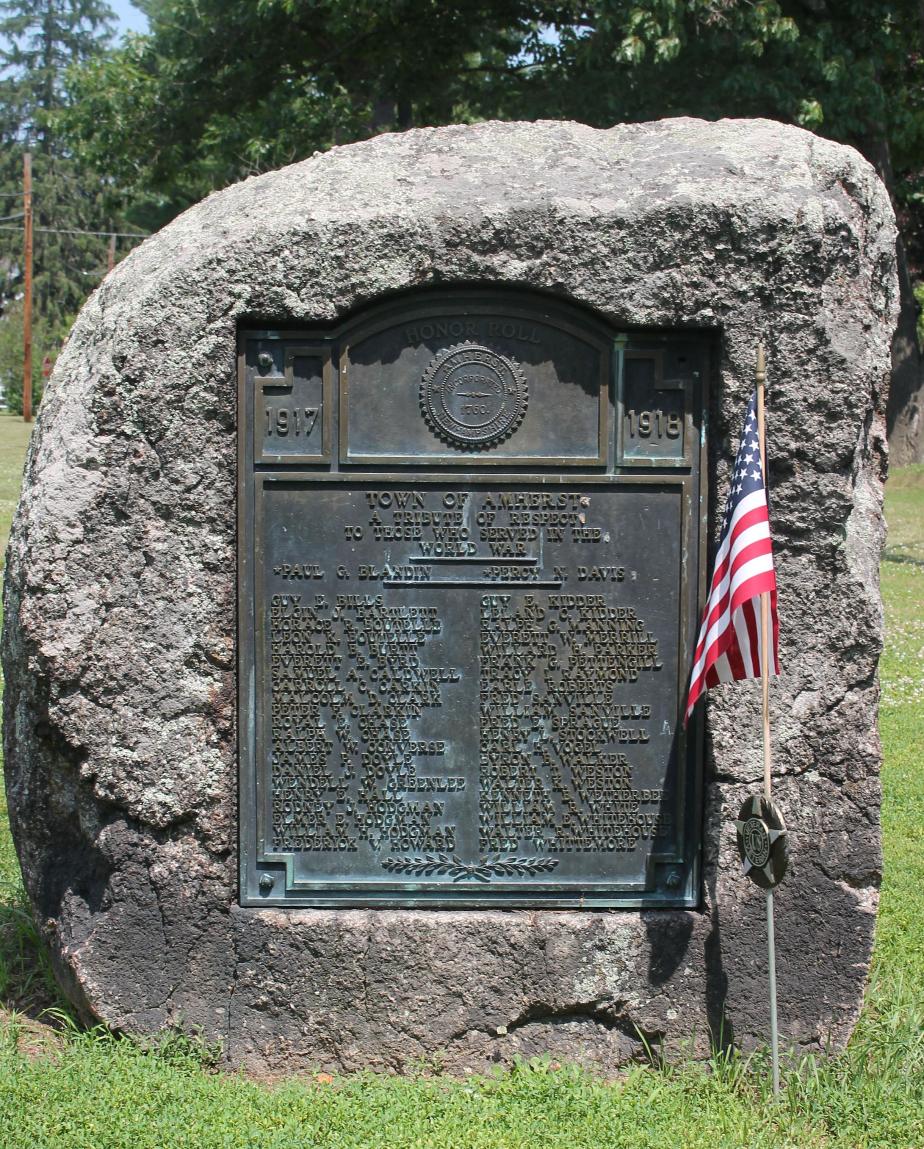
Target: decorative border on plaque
{"x": 472, "y": 396}
{"x": 455, "y": 868}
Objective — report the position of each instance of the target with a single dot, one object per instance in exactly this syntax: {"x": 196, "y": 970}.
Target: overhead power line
{"x": 78, "y": 230}
{"x": 83, "y": 231}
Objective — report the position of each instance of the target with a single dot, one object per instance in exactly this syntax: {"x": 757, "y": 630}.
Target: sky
{"x": 128, "y": 18}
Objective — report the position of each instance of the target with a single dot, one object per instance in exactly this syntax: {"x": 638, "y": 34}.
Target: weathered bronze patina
{"x": 470, "y": 553}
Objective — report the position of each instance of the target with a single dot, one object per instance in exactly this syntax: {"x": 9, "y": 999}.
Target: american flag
{"x": 729, "y": 646}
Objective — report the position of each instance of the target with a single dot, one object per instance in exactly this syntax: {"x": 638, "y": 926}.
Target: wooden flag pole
{"x": 766, "y": 654}
{"x": 761, "y": 378}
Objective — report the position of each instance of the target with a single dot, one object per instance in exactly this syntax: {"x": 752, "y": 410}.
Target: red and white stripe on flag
{"x": 730, "y": 646}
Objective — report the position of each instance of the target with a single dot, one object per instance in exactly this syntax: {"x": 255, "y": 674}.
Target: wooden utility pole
{"x": 27, "y": 293}
{"x": 110, "y": 263}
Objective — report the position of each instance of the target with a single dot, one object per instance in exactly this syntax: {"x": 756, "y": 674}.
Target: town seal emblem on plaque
{"x": 472, "y": 396}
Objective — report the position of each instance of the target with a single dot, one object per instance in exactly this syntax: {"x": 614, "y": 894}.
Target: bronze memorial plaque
{"x": 471, "y": 530}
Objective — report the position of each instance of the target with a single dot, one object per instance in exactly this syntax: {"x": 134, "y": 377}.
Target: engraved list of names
{"x": 472, "y": 682}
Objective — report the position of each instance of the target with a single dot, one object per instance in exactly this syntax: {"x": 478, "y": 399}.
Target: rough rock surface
{"x": 119, "y": 641}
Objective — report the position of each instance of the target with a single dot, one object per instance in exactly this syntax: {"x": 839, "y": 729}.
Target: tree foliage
{"x": 223, "y": 88}
{"x": 48, "y": 333}
{"x": 39, "y": 41}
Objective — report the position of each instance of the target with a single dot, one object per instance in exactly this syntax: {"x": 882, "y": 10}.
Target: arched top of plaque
{"x": 475, "y": 377}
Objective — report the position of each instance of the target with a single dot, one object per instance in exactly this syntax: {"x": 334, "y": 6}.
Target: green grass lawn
{"x": 14, "y": 438}
{"x": 60, "y": 1086}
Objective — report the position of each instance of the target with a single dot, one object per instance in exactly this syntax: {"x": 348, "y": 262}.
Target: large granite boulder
{"x": 119, "y": 642}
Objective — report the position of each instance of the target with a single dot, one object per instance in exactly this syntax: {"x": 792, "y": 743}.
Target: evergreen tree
{"x": 39, "y": 41}
{"x": 44, "y": 38}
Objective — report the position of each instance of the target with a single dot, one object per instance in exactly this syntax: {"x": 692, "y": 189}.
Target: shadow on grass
{"x": 894, "y": 555}
{"x": 28, "y": 989}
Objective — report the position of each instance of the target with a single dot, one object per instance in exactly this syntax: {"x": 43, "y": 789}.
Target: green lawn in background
{"x": 14, "y": 438}
{"x": 88, "y": 1090}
